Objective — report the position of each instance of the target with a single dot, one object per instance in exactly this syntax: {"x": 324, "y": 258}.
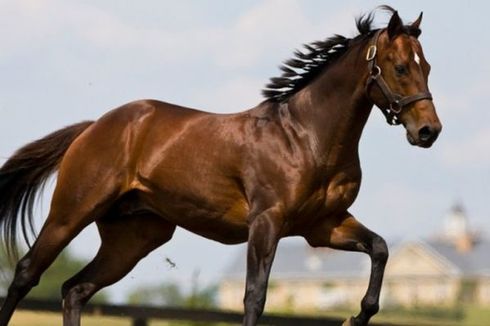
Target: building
{"x": 451, "y": 267}
{"x": 302, "y": 278}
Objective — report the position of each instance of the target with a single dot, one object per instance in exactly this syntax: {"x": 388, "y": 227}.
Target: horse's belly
{"x": 230, "y": 227}
{"x": 225, "y": 229}
{"x": 223, "y": 233}
{"x": 223, "y": 219}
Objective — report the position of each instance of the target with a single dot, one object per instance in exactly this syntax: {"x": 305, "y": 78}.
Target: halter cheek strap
{"x": 396, "y": 102}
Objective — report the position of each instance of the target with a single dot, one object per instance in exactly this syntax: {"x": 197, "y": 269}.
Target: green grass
{"x": 28, "y": 318}
{"x": 460, "y": 316}
{"x": 476, "y": 316}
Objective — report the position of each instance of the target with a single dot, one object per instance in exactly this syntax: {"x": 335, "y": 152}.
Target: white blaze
{"x": 416, "y": 58}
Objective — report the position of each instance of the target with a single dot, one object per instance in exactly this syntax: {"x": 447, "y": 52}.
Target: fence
{"x": 140, "y": 315}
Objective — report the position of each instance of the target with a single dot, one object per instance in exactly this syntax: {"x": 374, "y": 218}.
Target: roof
{"x": 299, "y": 261}
{"x": 475, "y": 262}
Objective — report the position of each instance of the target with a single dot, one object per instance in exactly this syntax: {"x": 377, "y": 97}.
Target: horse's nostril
{"x": 426, "y": 133}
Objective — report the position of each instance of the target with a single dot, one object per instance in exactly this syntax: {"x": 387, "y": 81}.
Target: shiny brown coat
{"x": 283, "y": 168}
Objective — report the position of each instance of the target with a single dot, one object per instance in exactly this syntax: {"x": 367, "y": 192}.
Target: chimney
{"x": 457, "y": 230}
{"x": 464, "y": 243}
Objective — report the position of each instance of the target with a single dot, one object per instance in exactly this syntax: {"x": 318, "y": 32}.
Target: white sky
{"x": 66, "y": 61}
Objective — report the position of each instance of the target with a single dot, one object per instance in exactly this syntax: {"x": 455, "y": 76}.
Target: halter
{"x": 396, "y": 101}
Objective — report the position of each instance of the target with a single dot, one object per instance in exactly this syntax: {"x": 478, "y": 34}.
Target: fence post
{"x": 140, "y": 322}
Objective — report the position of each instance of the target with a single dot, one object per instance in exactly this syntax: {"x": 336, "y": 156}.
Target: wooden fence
{"x": 141, "y": 315}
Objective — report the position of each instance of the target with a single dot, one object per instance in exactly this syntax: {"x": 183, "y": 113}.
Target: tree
{"x": 170, "y": 294}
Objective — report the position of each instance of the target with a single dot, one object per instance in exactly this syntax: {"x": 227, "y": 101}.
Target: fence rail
{"x": 141, "y": 315}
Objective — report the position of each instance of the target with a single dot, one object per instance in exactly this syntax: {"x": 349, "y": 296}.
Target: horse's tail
{"x": 23, "y": 176}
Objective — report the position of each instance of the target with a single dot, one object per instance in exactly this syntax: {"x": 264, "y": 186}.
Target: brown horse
{"x": 288, "y": 167}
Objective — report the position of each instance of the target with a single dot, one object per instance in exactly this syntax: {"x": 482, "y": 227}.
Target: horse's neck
{"x": 334, "y": 109}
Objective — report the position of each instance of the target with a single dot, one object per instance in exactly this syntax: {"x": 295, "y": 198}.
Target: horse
{"x": 287, "y": 167}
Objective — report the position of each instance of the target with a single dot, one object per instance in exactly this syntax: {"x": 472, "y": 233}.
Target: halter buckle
{"x": 371, "y": 53}
{"x": 396, "y": 107}
{"x": 375, "y": 72}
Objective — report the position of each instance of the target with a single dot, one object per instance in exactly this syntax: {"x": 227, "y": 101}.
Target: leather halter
{"x": 396, "y": 101}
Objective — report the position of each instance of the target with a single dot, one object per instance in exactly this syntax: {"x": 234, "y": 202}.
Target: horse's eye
{"x": 401, "y": 70}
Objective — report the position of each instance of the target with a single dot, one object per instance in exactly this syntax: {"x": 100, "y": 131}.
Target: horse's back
{"x": 118, "y": 135}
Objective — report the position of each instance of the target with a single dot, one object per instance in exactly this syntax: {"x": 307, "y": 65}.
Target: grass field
{"x": 462, "y": 316}
{"x": 27, "y": 318}
{"x": 468, "y": 316}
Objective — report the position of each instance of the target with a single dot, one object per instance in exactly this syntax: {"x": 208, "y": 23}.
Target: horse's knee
{"x": 77, "y": 296}
{"x": 379, "y": 250}
{"x": 66, "y": 287}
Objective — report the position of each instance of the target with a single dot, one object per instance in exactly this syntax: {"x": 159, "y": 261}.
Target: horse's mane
{"x": 307, "y": 65}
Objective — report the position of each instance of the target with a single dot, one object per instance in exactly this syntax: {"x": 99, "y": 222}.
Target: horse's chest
{"x": 340, "y": 194}
{"x": 335, "y": 195}
{"x": 341, "y": 190}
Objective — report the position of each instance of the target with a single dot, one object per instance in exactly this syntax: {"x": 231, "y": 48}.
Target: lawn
{"x": 28, "y": 318}
{"x": 464, "y": 316}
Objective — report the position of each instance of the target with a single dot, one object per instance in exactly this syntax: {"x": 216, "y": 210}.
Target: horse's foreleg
{"x": 262, "y": 243}
{"x": 125, "y": 241}
{"x": 347, "y": 233}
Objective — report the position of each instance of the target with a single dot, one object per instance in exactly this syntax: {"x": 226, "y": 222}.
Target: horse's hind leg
{"x": 52, "y": 239}
{"x": 125, "y": 241}
{"x": 74, "y": 206}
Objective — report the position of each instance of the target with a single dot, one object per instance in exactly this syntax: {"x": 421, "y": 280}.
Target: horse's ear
{"x": 415, "y": 26}
{"x": 395, "y": 26}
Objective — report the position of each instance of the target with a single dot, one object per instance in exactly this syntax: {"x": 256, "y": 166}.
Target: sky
{"x": 66, "y": 61}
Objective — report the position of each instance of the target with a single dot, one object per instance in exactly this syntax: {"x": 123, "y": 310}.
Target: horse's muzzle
{"x": 426, "y": 136}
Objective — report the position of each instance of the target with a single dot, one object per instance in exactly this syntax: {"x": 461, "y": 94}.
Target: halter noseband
{"x": 396, "y": 101}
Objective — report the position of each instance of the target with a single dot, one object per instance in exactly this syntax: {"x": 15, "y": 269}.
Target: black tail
{"x": 23, "y": 176}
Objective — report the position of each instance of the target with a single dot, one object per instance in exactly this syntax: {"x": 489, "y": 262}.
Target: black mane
{"x": 307, "y": 65}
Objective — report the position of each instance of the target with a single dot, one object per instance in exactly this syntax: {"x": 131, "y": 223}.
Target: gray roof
{"x": 299, "y": 261}
{"x": 475, "y": 262}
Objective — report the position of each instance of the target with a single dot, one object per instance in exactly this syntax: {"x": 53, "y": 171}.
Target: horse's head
{"x": 398, "y": 81}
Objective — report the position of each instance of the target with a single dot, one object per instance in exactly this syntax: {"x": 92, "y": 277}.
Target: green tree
{"x": 170, "y": 294}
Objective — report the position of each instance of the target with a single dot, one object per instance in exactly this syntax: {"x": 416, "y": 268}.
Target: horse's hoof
{"x": 349, "y": 322}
